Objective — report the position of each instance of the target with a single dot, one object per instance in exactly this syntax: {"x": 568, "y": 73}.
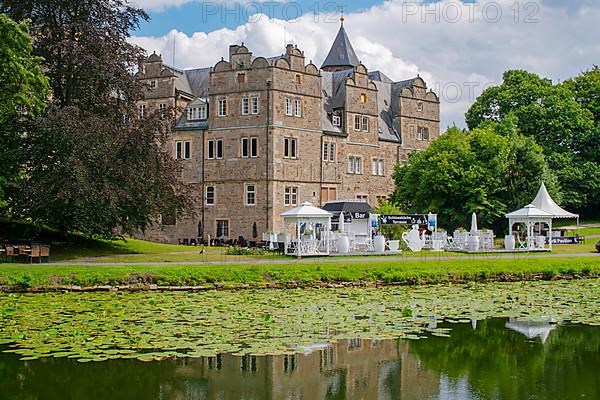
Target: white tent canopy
{"x": 529, "y": 215}
{"x": 544, "y": 202}
{"x": 308, "y": 216}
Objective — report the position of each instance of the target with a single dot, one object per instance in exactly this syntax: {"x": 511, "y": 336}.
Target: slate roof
{"x": 342, "y": 53}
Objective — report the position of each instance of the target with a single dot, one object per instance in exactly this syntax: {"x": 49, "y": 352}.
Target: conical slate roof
{"x": 341, "y": 54}
{"x": 544, "y": 202}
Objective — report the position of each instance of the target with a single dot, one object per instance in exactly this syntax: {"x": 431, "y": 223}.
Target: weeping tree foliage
{"x": 90, "y": 163}
{"x": 563, "y": 118}
{"x": 491, "y": 171}
{"x": 23, "y": 90}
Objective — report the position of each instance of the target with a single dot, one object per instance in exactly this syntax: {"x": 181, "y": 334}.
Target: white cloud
{"x": 457, "y": 56}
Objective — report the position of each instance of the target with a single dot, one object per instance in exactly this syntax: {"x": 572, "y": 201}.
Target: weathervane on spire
{"x": 341, "y": 8}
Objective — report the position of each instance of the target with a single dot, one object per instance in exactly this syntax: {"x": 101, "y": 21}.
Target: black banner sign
{"x": 407, "y": 219}
{"x": 566, "y": 240}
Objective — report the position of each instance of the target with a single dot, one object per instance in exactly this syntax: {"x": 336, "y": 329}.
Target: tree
{"x": 23, "y": 91}
{"x": 562, "y": 118}
{"x": 481, "y": 171}
{"x": 92, "y": 165}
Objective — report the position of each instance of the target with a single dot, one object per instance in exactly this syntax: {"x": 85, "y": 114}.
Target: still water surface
{"x": 491, "y": 359}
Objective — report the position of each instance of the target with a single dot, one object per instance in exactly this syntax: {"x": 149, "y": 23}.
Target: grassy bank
{"x": 408, "y": 271}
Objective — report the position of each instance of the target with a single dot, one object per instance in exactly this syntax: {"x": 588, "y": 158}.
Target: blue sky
{"x": 458, "y": 57}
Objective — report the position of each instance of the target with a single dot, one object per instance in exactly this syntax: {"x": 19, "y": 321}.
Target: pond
{"x": 538, "y": 340}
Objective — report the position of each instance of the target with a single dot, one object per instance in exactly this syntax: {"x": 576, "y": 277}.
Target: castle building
{"x": 258, "y": 136}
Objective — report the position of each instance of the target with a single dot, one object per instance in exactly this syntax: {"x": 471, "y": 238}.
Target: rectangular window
{"x": 250, "y": 195}
{"x": 354, "y": 165}
{"x": 363, "y": 97}
{"x": 357, "y": 120}
{"x": 178, "y": 150}
{"x": 142, "y": 109}
{"x": 332, "y": 152}
{"x": 192, "y": 114}
{"x": 244, "y": 150}
{"x": 183, "y": 150}
{"x": 152, "y": 84}
{"x": 253, "y": 147}
{"x": 419, "y": 107}
{"x": 332, "y": 194}
{"x": 362, "y": 197}
{"x": 202, "y": 114}
{"x": 245, "y": 106}
{"x": 412, "y": 131}
{"x": 325, "y": 151}
{"x": 211, "y": 149}
{"x": 241, "y": 78}
{"x": 328, "y": 194}
{"x": 222, "y": 107}
{"x": 298, "y": 79}
{"x": 426, "y": 133}
{"x": 219, "y": 149}
{"x": 420, "y": 133}
{"x": 254, "y": 105}
{"x": 187, "y": 150}
{"x": 290, "y": 149}
{"x": 210, "y": 195}
{"x": 378, "y": 167}
{"x": 365, "y": 124}
{"x": 337, "y": 121}
{"x": 162, "y": 107}
{"x": 298, "y": 108}
{"x": 291, "y": 196}
{"x": 288, "y": 107}
{"x": 222, "y": 228}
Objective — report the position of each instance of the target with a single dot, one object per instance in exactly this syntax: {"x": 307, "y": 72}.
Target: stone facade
{"x": 261, "y": 135}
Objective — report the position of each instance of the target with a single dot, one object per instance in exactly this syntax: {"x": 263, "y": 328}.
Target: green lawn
{"x": 408, "y": 271}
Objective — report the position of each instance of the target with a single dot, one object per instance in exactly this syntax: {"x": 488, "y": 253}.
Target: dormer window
{"x": 336, "y": 120}
{"x": 152, "y": 84}
{"x": 196, "y": 113}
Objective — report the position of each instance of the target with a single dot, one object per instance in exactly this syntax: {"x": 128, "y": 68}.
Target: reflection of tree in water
{"x": 501, "y": 363}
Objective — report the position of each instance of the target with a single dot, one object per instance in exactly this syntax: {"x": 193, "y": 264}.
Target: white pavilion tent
{"x": 530, "y": 215}
{"x": 544, "y": 202}
{"x": 305, "y": 220}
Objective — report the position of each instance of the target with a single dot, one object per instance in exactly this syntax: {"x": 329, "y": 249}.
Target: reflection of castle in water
{"x": 350, "y": 369}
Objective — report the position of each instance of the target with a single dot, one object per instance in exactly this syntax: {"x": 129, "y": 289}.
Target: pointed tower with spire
{"x": 342, "y": 55}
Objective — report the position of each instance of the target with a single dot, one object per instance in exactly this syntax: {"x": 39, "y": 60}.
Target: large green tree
{"x": 490, "y": 170}
{"x": 91, "y": 164}
{"x": 562, "y": 118}
{"x": 23, "y": 91}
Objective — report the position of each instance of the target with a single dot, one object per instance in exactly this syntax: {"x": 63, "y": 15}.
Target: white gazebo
{"x": 311, "y": 230}
{"x": 531, "y": 215}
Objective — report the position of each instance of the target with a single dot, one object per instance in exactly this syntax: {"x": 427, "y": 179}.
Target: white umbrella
{"x": 473, "y": 223}
{"x": 341, "y": 221}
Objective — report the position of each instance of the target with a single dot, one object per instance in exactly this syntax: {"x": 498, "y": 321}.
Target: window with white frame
{"x": 210, "y": 195}
{"x": 328, "y": 151}
{"x": 325, "y": 151}
{"x": 193, "y": 114}
{"x": 222, "y": 107}
{"x": 290, "y": 148}
{"x": 420, "y": 133}
{"x": 245, "y": 106}
{"x": 253, "y": 147}
{"x": 298, "y": 108}
{"x": 365, "y": 124}
{"x": 332, "y": 152}
{"x": 291, "y": 196}
{"x": 363, "y": 197}
{"x": 336, "y": 120}
{"x": 425, "y": 133}
{"x": 254, "y": 101}
{"x": 419, "y": 107}
{"x": 153, "y": 84}
{"x": 210, "y": 149}
{"x": 219, "y": 145}
{"x": 222, "y": 228}
{"x": 183, "y": 149}
{"x": 354, "y": 165}
{"x": 288, "y": 107}
{"x": 377, "y": 167}
{"x": 250, "y": 194}
{"x": 162, "y": 107}
{"x": 142, "y": 110}
{"x": 245, "y": 147}
{"x": 357, "y": 122}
